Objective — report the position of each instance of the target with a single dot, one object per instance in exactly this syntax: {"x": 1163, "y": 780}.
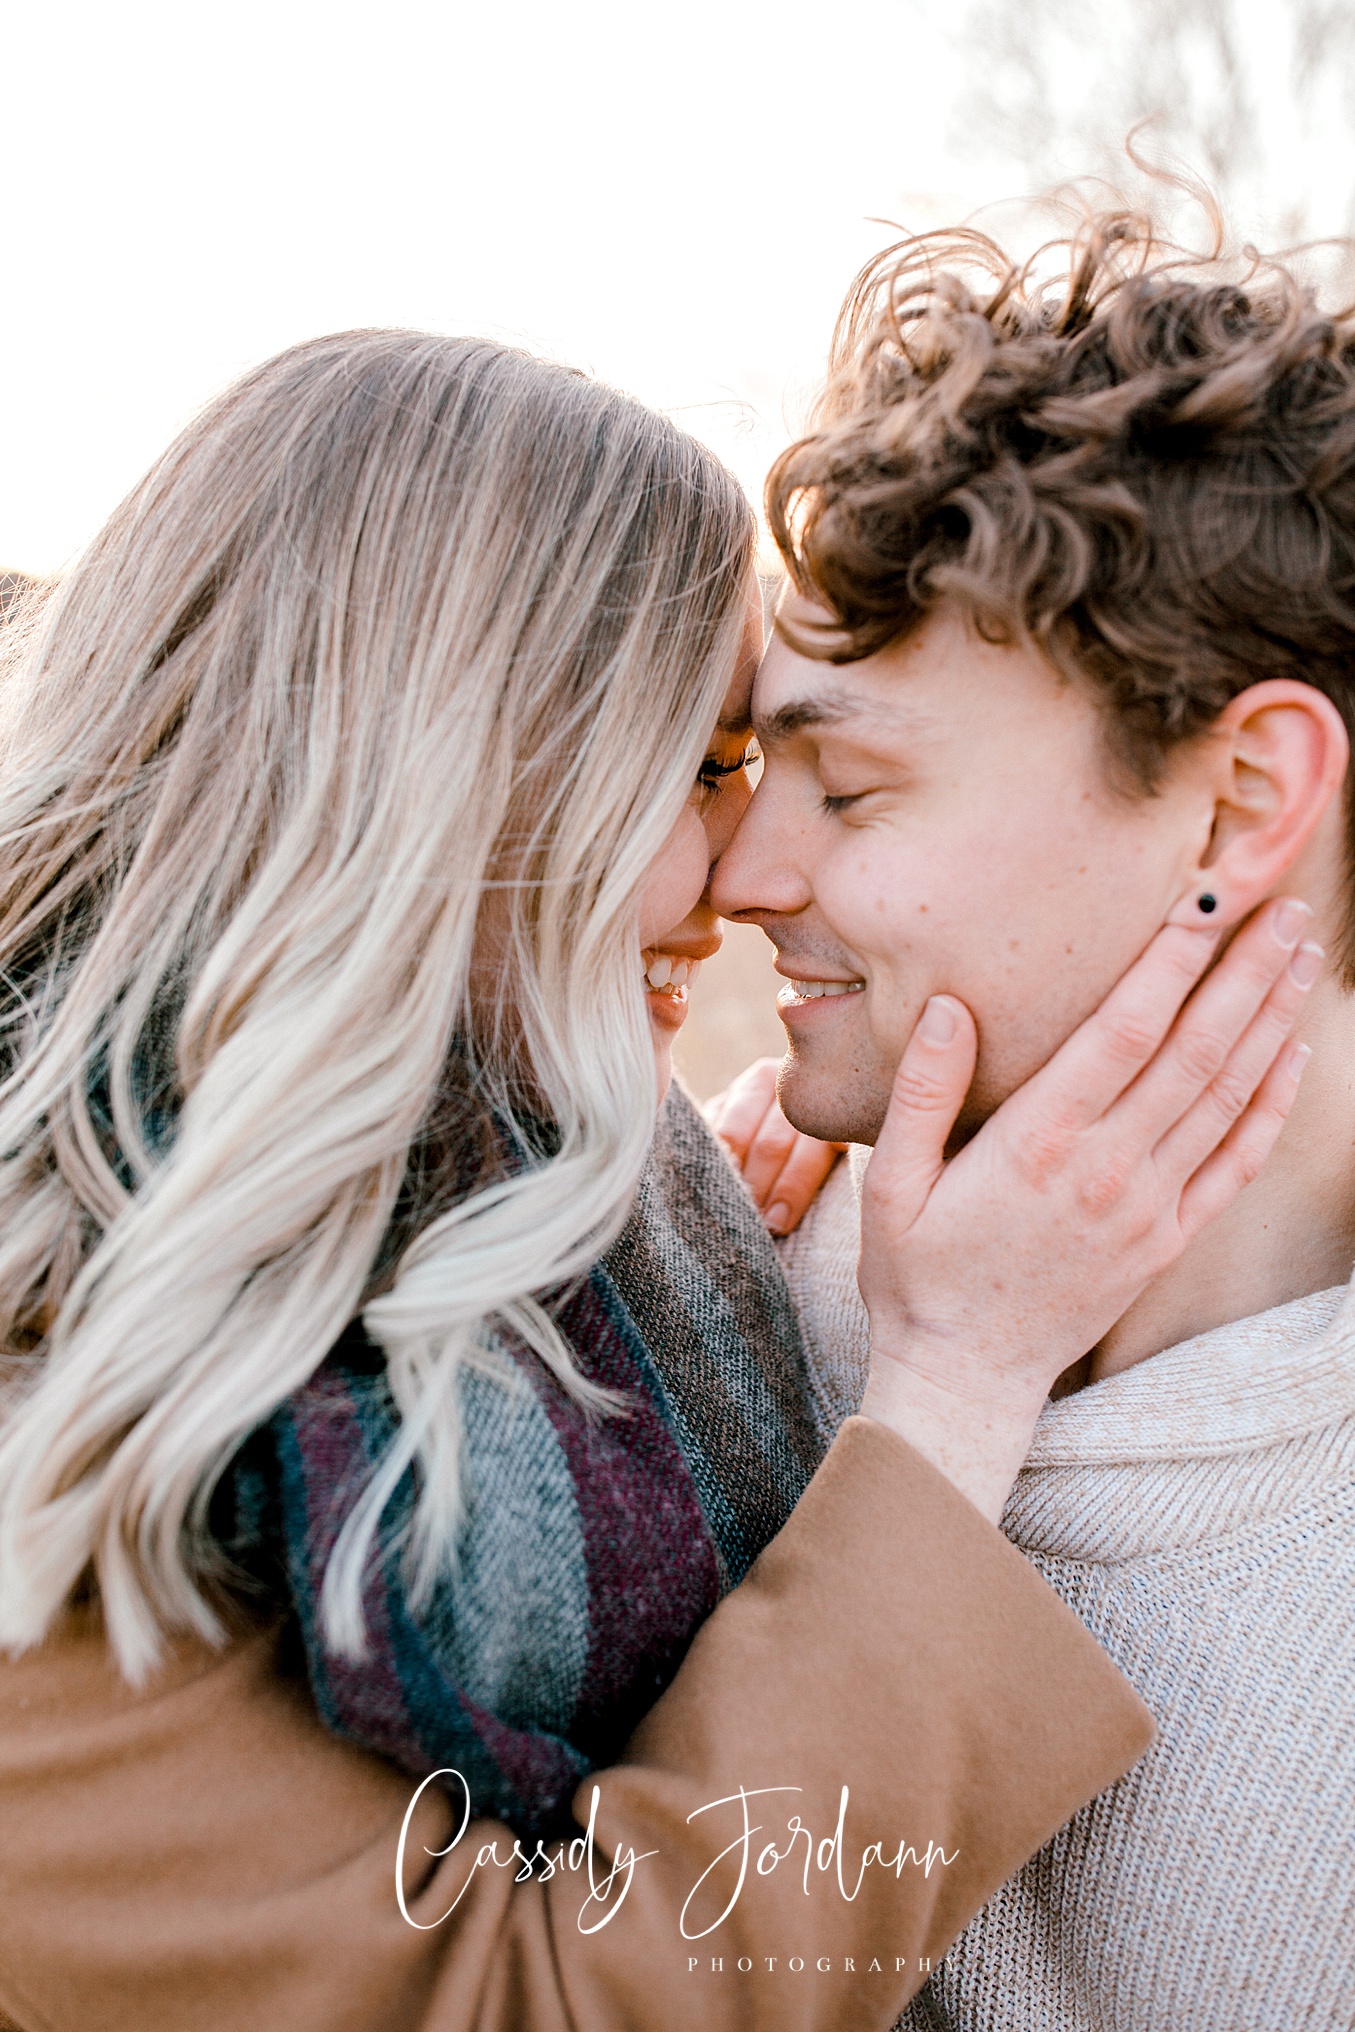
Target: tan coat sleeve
{"x": 202, "y": 1857}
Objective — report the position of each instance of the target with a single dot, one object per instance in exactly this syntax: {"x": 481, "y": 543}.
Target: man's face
{"x": 938, "y": 818}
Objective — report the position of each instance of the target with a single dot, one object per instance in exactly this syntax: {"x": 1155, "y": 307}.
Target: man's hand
{"x": 781, "y": 1168}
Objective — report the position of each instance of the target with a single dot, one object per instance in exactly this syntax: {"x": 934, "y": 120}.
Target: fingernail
{"x": 778, "y": 1217}
{"x": 938, "y": 1022}
{"x": 1306, "y": 965}
{"x": 1290, "y": 920}
{"x": 1298, "y": 1058}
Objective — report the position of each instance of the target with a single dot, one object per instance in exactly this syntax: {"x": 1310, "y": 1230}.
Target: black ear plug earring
{"x": 1208, "y": 904}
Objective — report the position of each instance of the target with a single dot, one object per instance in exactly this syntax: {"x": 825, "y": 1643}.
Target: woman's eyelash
{"x": 711, "y": 771}
{"x": 835, "y": 804}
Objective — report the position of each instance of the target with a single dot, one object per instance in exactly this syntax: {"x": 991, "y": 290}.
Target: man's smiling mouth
{"x": 798, "y": 991}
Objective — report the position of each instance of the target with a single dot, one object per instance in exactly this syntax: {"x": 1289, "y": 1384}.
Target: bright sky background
{"x": 673, "y": 197}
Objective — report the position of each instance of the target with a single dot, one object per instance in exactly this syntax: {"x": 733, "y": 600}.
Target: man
{"x": 1070, "y": 651}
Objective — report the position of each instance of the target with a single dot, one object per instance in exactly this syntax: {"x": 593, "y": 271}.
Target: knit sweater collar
{"x": 1253, "y": 1383}
{"x": 1218, "y": 1441}
{"x": 1256, "y": 1382}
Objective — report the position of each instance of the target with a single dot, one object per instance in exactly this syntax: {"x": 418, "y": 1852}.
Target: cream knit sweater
{"x": 1198, "y": 1513}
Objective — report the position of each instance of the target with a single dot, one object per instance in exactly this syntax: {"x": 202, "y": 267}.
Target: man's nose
{"x": 759, "y": 869}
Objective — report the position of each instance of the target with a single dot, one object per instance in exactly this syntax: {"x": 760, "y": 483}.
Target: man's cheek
{"x": 893, "y": 1006}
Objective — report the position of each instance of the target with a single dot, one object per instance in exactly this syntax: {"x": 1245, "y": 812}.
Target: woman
{"x": 349, "y": 803}
{"x": 342, "y": 974}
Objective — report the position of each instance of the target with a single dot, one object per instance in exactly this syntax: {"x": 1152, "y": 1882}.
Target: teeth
{"x": 669, "y": 975}
{"x": 811, "y": 991}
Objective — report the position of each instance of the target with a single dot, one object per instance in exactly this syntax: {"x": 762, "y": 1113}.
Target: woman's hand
{"x": 781, "y": 1168}
{"x": 988, "y": 1276}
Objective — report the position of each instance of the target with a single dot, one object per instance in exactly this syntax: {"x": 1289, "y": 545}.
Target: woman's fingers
{"x": 929, "y": 1089}
{"x": 772, "y": 1146}
{"x": 782, "y": 1168}
{"x": 1092, "y": 1068}
{"x": 737, "y": 1114}
{"x": 1187, "y": 1144}
{"x": 1260, "y": 970}
{"x": 1245, "y": 1148}
{"x": 799, "y": 1182}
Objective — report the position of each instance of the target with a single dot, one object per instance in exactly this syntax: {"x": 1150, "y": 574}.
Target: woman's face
{"x": 678, "y": 928}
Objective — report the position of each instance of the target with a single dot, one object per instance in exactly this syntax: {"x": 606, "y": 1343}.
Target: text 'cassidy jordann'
{"x": 609, "y": 1881}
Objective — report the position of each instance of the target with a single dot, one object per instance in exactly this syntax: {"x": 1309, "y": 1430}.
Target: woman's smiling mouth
{"x": 668, "y": 976}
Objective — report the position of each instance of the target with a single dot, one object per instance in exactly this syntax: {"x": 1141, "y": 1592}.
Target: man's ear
{"x": 1277, "y": 757}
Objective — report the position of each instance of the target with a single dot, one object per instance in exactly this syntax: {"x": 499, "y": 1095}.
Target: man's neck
{"x": 1290, "y": 1232}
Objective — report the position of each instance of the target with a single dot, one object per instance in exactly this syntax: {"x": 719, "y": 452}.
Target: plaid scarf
{"x": 592, "y": 1548}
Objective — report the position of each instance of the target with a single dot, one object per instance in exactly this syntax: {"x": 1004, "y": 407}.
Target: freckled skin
{"x": 977, "y": 848}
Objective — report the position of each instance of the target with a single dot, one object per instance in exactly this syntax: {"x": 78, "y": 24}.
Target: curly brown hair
{"x": 1145, "y": 466}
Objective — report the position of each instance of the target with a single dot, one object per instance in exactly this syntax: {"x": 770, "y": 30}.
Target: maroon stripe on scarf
{"x": 652, "y": 1565}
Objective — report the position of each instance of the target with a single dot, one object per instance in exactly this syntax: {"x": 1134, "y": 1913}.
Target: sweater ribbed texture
{"x": 1198, "y": 1513}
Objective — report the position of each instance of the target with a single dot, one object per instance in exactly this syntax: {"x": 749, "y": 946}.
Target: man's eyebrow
{"x": 816, "y": 710}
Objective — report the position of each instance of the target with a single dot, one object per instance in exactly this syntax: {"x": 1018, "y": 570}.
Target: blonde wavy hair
{"x": 405, "y": 641}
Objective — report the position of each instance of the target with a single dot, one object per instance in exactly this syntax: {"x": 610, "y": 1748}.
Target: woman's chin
{"x": 667, "y": 1013}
